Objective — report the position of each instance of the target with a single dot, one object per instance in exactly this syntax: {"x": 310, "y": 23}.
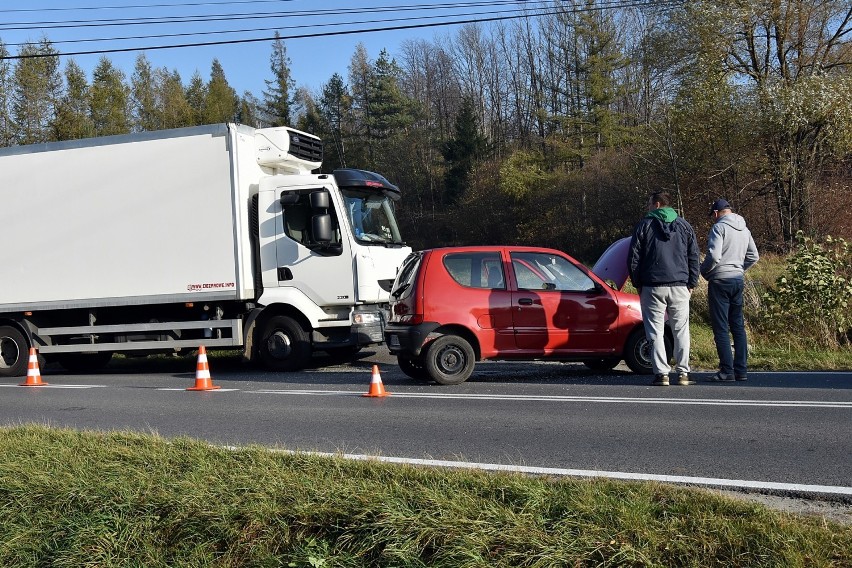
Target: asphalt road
{"x": 777, "y": 428}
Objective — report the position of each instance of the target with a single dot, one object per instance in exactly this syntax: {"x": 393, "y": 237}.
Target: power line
{"x": 277, "y": 28}
{"x": 197, "y": 18}
{"x": 172, "y": 5}
{"x": 664, "y": 4}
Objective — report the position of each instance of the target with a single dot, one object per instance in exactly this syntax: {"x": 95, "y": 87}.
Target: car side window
{"x": 541, "y": 271}
{"x": 476, "y": 270}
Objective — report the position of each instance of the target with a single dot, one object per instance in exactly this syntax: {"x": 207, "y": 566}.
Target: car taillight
{"x": 412, "y": 319}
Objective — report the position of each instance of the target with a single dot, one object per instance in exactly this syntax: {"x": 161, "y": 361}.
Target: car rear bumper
{"x": 408, "y": 339}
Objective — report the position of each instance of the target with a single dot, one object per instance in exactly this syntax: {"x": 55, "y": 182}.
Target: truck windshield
{"x": 372, "y": 217}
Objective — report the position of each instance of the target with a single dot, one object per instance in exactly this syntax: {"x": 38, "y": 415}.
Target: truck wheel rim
{"x": 9, "y": 353}
{"x": 279, "y": 345}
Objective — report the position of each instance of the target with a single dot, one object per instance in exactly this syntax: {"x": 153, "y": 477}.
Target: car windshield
{"x": 372, "y": 217}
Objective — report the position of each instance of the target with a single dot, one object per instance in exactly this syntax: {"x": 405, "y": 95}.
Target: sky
{"x": 91, "y": 25}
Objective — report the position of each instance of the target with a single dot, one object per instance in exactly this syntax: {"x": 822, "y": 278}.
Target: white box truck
{"x": 164, "y": 241}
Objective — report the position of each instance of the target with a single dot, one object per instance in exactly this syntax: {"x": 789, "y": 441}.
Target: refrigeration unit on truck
{"x": 216, "y": 235}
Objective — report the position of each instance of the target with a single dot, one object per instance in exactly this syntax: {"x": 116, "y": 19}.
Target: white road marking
{"x": 599, "y": 399}
{"x": 52, "y": 386}
{"x": 183, "y": 389}
{"x": 743, "y": 484}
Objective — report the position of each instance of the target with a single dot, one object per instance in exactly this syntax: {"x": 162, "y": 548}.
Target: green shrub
{"x": 812, "y": 298}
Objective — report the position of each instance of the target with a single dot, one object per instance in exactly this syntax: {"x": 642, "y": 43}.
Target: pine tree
{"x": 109, "y": 100}
{"x": 220, "y": 102}
{"x": 461, "y": 152}
{"x": 37, "y": 85}
{"x": 196, "y": 95}
{"x": 6, "y": 130}
{"x": 249, "y": 110}
{"x": 143, "y": 96}
{"x": 72, "y": 121}
{"x": 360, "y": 87}
{"x": 173, "y": 106}
{"x": 391, "y": 110}
{"x": 277, "y": 99}
{"x": 310, "y": 117}
{"x": 335, "y": 106}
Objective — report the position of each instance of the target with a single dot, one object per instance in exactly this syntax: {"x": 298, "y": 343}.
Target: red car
{"x": 453, "y": 306}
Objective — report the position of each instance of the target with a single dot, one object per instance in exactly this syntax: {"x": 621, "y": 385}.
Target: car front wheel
{"x": 449, "y": 360}
{"x": 639, "y": 353}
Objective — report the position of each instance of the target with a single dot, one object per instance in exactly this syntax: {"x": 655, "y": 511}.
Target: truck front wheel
{"x": 13, "y": 352}
{"x": 284, "y": 345}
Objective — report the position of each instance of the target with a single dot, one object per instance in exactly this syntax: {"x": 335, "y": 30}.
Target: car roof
{"x": 493, "y": 248}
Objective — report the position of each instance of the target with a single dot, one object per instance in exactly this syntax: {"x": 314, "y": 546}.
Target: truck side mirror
{"x": 319, "y": 199}
{"x": 321, "y": 227}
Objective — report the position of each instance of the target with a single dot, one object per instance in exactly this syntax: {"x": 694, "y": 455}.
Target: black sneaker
{"x": 721, "y": 377}
{"x": 661, "y": 381}
{"x": 741, "y": 378}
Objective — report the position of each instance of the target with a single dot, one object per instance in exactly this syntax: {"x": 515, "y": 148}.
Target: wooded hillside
{"x": 549, "y": 130}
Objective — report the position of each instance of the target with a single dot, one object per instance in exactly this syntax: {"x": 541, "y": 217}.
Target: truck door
{"x": 322, "y": 270}
{"x": 557, "y": 307}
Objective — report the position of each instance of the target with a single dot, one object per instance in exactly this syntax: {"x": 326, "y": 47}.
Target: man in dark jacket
{"x": 663, "y": 266}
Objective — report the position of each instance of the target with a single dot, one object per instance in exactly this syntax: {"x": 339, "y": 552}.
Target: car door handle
{"x": 525, "y": 302}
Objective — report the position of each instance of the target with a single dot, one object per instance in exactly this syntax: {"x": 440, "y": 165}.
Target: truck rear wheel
{"x": 284, "y": 345}
{"x": 14, "y": 352}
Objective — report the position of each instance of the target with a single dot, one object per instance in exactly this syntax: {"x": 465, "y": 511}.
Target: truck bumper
{"x": 368, "y": 334}
{"x": 408, "y": 339}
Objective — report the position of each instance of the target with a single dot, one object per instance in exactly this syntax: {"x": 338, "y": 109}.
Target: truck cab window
{"x": 372, "y": 217}
{"x": 297, "y": 221}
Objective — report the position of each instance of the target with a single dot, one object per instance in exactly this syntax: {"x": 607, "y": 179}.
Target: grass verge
{"x": 72, "y": 498}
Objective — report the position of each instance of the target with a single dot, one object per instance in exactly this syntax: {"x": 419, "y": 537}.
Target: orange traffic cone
{"x": 33, "y": 374}
{"x": 203, "y": 382}
{"x": 376, "y": 386}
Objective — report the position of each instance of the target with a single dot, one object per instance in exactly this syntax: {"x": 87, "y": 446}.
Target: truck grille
{"x": 305, "y": 147}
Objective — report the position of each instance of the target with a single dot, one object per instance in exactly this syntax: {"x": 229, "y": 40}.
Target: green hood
{"x": 664, "y": 214}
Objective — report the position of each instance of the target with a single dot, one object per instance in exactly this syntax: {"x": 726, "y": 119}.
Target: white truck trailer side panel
{"x": 120, "y": 220}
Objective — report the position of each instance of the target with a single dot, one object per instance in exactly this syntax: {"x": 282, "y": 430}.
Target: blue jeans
{"x": 726, "y": 316}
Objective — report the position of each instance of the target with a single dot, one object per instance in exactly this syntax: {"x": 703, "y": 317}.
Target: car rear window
{"x": 403, "y": 285}
{"x": 476, "y": 269}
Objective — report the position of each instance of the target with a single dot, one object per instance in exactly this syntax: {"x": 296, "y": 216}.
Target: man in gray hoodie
{"x": 730, "y": 252}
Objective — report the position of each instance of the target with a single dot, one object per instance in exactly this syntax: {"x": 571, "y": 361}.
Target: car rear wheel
{"x": 449, "y": 360}
{"x": 413, "y": 367}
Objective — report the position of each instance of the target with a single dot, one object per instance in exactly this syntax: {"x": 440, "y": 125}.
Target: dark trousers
{"x": 726, "y": 316}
